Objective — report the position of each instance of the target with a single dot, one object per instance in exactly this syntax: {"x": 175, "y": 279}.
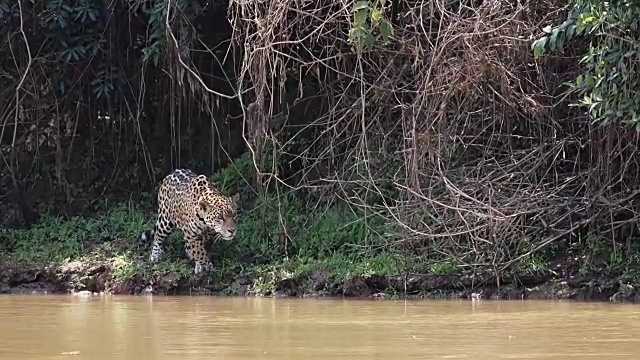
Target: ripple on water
{"x": 245, "y": 328}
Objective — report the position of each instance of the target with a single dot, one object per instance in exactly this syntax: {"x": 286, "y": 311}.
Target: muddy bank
{"x": 103, "y": 277}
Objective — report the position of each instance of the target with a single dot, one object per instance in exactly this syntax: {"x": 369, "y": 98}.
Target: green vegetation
{"x": 365, "y": 138}
{"x": 335, "y": 239}
{"x": 609, "y": 80}
{"x": 54, "y": 238}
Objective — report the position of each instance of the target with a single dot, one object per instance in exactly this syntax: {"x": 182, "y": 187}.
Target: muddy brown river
{"x": 113, "y": 327}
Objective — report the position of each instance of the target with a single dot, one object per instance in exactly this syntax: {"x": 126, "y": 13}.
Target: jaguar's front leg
{"x": 195, "y": 251}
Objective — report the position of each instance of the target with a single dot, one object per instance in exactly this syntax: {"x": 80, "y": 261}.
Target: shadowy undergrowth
{"x": 282, "y": 236}
{"x": 283, "y": 233}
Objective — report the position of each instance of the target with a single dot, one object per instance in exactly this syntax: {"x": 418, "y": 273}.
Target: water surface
{"x": 119, "y": 327}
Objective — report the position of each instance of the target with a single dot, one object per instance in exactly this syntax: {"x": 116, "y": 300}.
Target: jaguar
{"x": 192, "y": 204}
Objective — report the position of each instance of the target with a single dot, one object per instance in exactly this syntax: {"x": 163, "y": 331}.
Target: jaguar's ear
{"x": 234, "y": 199}
{"x": 203, "y": 205}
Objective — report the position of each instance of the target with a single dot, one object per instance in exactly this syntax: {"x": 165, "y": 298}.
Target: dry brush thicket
{"x": 452, "y": 128}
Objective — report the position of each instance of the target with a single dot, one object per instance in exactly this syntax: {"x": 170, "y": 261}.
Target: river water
{"x": 113, "y": 327}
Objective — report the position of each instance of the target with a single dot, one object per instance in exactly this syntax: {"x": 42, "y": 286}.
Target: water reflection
{"x": 241, "y": 328}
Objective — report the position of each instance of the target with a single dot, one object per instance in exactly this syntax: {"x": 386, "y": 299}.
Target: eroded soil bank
{"x": 118, "y": 275}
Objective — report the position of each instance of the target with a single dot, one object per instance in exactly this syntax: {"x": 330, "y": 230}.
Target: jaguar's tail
{"x": 146, "y": 236}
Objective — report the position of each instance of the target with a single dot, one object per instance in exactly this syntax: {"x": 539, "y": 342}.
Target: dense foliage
{"x": 427, "y": 129}
{"x": 610, "y": 79}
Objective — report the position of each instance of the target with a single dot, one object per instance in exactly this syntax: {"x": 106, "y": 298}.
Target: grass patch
{"x": 280, "y": 236}
{"x": 335, "y": 239}
{"x": 55, "y": 239}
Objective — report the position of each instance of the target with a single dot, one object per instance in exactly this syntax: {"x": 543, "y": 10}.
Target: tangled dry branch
{"x": 463, "y": 139}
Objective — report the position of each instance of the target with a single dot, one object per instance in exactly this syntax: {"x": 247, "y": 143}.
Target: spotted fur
{"x": 192, "y": 204}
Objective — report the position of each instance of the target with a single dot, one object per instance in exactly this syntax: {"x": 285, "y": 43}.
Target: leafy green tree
{"x": 609, "y": 83}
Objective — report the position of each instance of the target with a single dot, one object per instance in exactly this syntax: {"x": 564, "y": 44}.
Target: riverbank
{"x": 126, "y": 274}
{"x": 121, "y": 268}
{"x": 102, "y": 254}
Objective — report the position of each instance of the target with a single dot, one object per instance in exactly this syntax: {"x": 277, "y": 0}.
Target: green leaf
{"x": 585, "y": 19}
{"x": 360, "y": 17}
{"x": 386, "y": 30}
{"x": 369, "y": 40}
{"x": 560, "y": 42}
{"x": 355, "y": 36}
{"x": 376, "y": 15}
{"x": 538, "y": 46}
{"x": 357, "y": 32}
{"x": 571, "y": 29}
{"x": 360, "y": 5}
{"x": 553, "y": 39}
